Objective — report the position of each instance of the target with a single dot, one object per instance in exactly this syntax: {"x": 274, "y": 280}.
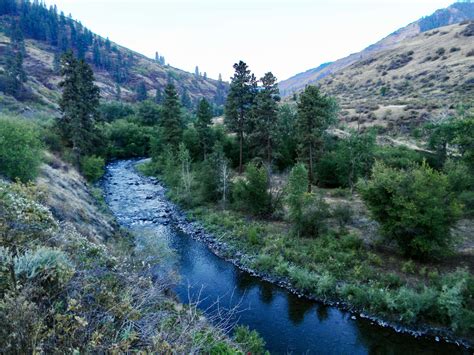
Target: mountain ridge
{"x": 455, "y": 13}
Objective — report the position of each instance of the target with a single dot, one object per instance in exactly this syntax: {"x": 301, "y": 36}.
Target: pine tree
{"x": 219, "y": 98}
{"x": 265, "y": 116}
{"x": 79, "y": 102}
{"x": 14, "y": 62}
{"x": 315, "y": 113}
{"x": 203, "y": 126}
{"x": 118, "y": 92}
{"x": 186, "y": 100}
{"x": 239, "y": 103}
{"x": 196, "y": 72}
{"x": 171, "y": 123}
{"x": 142, "y": 93}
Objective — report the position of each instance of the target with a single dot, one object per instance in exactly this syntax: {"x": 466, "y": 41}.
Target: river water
{"x": 288, "y": 324}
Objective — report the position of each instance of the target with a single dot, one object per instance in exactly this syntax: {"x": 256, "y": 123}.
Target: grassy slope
{"x": 421, "y": 84}
{"x": 44, "y": 81}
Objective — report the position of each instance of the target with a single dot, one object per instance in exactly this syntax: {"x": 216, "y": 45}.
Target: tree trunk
{"x": 241, "y": 143}
{"x": 269, "y": 152}
{"x": 310, "y": 170}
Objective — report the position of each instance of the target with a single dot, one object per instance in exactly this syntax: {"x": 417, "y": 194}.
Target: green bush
{"x": 49, "y": 268}
{"x": 249, "y": 340}
{"x": 414, "y": 207}
{"x": 112, "y": 111}
{"x": 307, "y": 212}
{"x": 252, "y": 193}
{"x": 20, "y": 149}
{"x": 127, "y": 139}
{"x": 92, "y": 167}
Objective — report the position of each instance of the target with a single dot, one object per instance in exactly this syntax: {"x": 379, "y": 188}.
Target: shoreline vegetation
{"x": 267, "y": 250}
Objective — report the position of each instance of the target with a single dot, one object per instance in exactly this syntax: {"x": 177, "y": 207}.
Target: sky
{"x": 285, "y": 37}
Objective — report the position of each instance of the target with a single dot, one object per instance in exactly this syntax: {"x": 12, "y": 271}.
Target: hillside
{"x": 118, "y": 70}
{"x": 419, "y": 79}
{"x": 455, "y": 13}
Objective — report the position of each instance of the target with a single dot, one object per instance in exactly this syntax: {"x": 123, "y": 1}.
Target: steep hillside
{"x": 118, "y": 70}
{"x": 455, "y": 13}
{"x": 418, "y": 79}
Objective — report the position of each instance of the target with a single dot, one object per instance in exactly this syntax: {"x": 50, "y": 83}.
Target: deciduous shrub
{"x": 92, "y": 167}
{"x": 249, "y": 340}
{"x": 414, "y": 207}
{"x": 127, "y": 139}
{"x": 20, "y": 149}
{"x": 307, "y": 212}
{"x": 46, "y": 267}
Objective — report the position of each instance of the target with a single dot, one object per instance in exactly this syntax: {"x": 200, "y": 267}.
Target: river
{"x": 288, "y": 324}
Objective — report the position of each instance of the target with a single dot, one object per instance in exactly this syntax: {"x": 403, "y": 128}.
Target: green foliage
{"x": 20, "y": 149}
{"x": 414, "y": 207}
{"x": 239, "y": 104}
{"x": 127, "y": 139}
{"x": 48, "y": 268}
{"x": 23, "y": 220}
{"x": 306, "y": 212}
{"x": 203, "y": 127}
{"x": 264, "y": 118}
{"x": 111, "y": 111}
{"x": 316, "y": 112}
{"x": 251, "y": 194}
{"x": 249, "y": 340}
{"x": 398, "y": 157}
{"x": 78, "y": 104}
{"x": 92, "y": 167}
{"x": 286, "y": 146}
{"x": 148, "y": 113}
{"x": 171, "y": 123}
{"x": 350, "y": 159}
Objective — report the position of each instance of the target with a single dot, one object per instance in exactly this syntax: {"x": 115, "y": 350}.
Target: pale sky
{"x": 282, "y": 36}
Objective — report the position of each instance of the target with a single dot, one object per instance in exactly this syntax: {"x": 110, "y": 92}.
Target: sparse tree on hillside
{"x": 186, "y": 99}
{"x": 142, "y": 93}
{"x": 203, "y": 126}
{"x": 315, "y": 113}
{"x": 265, "y": 116}
{"x": 158, "y": 96}
{"x": 171, "y": 122}
{"x": 219, "y": 99}
{"x": 196, "y": 72}
{"x": 79, "y": 103}
{"x": 239, "y": 104}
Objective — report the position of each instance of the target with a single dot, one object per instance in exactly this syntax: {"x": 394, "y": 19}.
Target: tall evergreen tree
{"x": 203, "y": 126}
{"x": 142, "y": 93}
{"x": 219, "y": 98}
{"x": 196, "y": 72}
{"x": 265, "y": 116}
{"x": 186, "y": 99}
{"x": 14, "y": 62}
{"x": 239, "y": 104}
{"x": 79, "y": 103}
{"x": 171, "y": 123}
{"x": 315, "y": 113}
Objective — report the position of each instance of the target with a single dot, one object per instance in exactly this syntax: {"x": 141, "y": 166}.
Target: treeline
{"x": 267, "y": 137}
